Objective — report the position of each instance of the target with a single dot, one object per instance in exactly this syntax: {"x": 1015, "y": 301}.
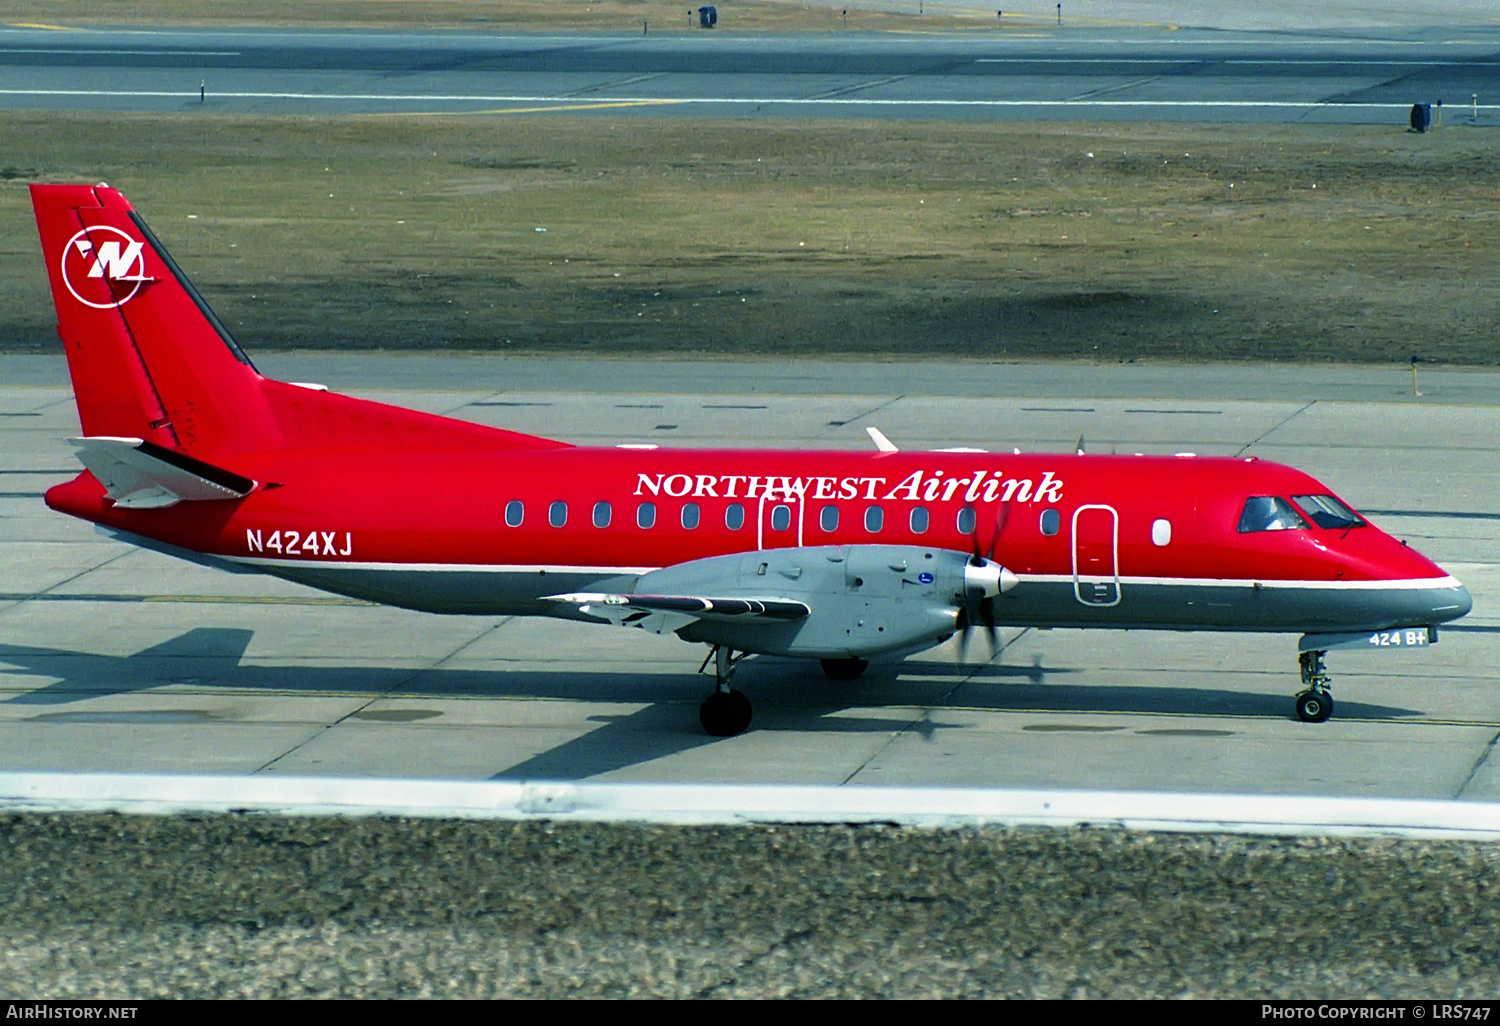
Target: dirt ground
{"x": 642, "y": 235}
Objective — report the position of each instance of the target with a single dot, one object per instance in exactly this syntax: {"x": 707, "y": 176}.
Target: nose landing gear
{"x": 726, "y": 712}
{"x": 1314, "y": 704}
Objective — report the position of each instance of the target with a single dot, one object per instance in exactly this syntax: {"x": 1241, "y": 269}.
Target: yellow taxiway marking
{"x": 531, "y": 110}
{"x": 40, "y": 25}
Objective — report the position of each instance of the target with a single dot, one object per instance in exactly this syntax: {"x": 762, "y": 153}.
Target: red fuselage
{"x": 335, "y": 513}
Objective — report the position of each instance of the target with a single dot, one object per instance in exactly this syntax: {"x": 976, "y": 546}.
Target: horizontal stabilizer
{"x": 661, "y": 613}
{"x": 138, "y": 474}
{"x": 882, "y": 443}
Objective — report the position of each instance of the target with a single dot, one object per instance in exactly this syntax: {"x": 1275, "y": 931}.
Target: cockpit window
{"x": 1326, "y": 511}
{"x": 1270, "y": 513}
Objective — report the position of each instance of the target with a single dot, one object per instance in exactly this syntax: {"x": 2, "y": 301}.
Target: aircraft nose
{"x": 1451, "y": 603}
{"x": 1448, "y": 600}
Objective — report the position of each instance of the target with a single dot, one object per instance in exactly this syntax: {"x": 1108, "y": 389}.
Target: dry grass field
{"x": 567, "y": 234}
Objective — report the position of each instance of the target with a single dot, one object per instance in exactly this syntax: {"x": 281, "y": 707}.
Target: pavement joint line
{"x": 387, "y": 693}
{"x": 963, "y": 675}
{"x": 1120, "y": 87}
{"x": 483, "y": 398}
{"x": 739, "y": 804}
{"x": 1276, "y": 427}
{"x": 883, "y": 404}
{"x": 16, "y": 603}
{"x": 1484, "y": 757}
{"x": 584, "y": 90}
{"x": 860, "y": 86}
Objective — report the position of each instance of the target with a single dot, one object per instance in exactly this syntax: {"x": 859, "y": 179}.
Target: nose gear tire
{"x": 1314, "y": 706}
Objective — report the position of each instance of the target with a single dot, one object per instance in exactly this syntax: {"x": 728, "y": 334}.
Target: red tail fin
{"x": 148, "y": 357}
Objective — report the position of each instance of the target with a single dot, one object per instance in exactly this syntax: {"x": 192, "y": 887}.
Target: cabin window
{"x": 734, "y": 516}
{"x": 781, "y": 518}
{"x": 874, "y": 519}
{"x": 557, "y": 513}
{"x": 1051, "y": 522}
{"x": 601, "y": 514}
{"x": 1326, "y": 511}
{"x": 645, "y": 515}
{"x": 967, "y": 520}
{"x": 1161, "y": 532}
{"x": 828, "y": 518}
{"x": 515, "y": 512}
{"x": 918, "y": 520}
{"x": 690, "y": 515}
{"x": 1270, "y": 513}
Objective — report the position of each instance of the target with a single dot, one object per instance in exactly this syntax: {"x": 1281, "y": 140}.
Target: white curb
{"x": 707, "y": 804}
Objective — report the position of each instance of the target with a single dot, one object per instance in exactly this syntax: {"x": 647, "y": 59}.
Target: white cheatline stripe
{"x": 710, "y": 100}
{"x": 524, "y": 569}
{"x": 1371, "y": 62}
{"x": 92, "y": 52}
{"x": 707, "y": 804}
{"x": 532, "y": 569}
{"x": 1405, "y": 584}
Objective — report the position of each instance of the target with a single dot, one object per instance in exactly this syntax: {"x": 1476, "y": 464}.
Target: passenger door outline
{"x": 1095, "y": 589}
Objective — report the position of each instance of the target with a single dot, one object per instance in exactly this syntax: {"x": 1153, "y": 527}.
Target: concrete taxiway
{"x": 1347, "y": 73}
{"x": 118, "y": 659}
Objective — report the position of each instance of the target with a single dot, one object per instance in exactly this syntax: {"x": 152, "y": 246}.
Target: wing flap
{"x": 138, "y": 474}
{"x": 663, "y": 613}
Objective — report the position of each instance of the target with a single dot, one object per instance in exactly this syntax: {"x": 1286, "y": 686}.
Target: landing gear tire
{"x": 843, "y": 669}
{"x": 1314, "y": 706}
{"x": 725, "y": 713}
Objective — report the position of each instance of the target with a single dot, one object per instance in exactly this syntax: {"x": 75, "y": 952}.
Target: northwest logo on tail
{"x": 108, "y": 253}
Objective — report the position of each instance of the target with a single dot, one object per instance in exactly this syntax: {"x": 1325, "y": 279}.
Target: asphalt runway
{"x": 1095, "y": 69}
{"x": 114, "y": 658}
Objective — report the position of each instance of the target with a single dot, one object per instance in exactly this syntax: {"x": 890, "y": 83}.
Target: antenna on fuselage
{"x": 882, "y": 443}
{"x": 1080, "y": 443}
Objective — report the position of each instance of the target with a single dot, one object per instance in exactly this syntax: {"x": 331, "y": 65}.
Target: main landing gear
{"x": 726, "y": 712}
{"x": 843, "y": 669}
{"x": 1314, "y": 703}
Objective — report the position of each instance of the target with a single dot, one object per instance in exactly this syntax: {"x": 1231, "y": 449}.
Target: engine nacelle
{"x": 864, "y": 599}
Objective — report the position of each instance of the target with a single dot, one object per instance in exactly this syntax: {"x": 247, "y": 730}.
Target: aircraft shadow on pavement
{"x": 790, "y": 695}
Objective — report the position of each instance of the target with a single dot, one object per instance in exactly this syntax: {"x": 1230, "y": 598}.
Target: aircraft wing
{"x": 138, "y": 474}
{"x": 662, "y": 614}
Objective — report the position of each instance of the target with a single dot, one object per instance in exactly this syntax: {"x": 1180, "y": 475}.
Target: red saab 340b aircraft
{"x": 836, "y": 556}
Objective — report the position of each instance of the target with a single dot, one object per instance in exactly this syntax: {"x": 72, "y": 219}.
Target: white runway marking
{"x": 93, "y": 52}
{"x": 729, "y": 804}
{"x": 1310, "y": 61}
{"x": 709, "y": 100}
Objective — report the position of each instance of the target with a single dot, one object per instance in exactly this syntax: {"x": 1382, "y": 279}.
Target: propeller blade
{"x": 1002, "y": 517}
{"x": 987, "y": 611}
{"x": 963, "y": 625}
